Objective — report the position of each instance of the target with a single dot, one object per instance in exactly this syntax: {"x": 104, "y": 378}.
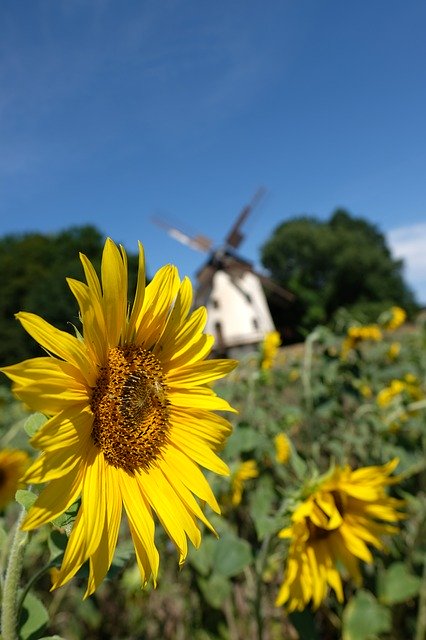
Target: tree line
{"x": 340, "y": 263}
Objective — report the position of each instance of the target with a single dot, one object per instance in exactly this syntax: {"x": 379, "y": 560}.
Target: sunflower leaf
{"x": 215, "y": 589}
{"x": 33, "y": 618}
{"x": 65, "y": 520}
{"x": 261, "y": 500}
{"x": 34, "y": 422}
{"x": 231, "y": 555}
{"x": 364, "y": 618}
{"x": 202, "y": 558}
{"x": 25, "y": 498}
{"x": 397, "y": 584}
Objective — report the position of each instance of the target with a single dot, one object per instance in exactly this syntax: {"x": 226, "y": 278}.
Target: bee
{"x": 140, "y": 396}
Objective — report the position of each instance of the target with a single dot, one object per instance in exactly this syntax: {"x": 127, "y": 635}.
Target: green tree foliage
{"x": 33, "y": 270}
{"x": 340, "y": 263}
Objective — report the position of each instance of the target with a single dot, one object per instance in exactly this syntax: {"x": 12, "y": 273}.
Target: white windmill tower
{"x": 230, "y": 289}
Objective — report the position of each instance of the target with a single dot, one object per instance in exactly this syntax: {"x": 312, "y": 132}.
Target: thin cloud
{"x": 409, "y": 243}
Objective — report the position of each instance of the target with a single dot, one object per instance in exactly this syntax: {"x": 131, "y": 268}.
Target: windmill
{"x": 230, "y": 288}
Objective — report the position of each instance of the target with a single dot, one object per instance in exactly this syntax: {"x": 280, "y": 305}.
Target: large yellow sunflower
{"x": 346, "y": 512}
{"x": 131, "y": 416}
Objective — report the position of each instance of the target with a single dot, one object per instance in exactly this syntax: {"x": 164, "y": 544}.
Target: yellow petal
{"x": 75, "y": 552}
{"x": 174, "y": 517}
{"x": 200, "y": 373}
{"x": 191, "y": 476}
{"x": 175, "y": 320}
{"x": 94, "y": 329}
{"x": 59, "y": 343}
{"x": 198, "y": 399}
{"x": 66, "y": 429}
{"x": 55, "y": 499}
{"x": 160, "y": 295}
{"x": 199, "y": 452}
{"x": 114, "y": 286}
{"x": 135, "y": 316}
{"x": 141, "y": 522}
{"x": 93, "y": 498}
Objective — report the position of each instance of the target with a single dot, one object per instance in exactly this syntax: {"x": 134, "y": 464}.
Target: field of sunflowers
{"x": 317, "y": 532}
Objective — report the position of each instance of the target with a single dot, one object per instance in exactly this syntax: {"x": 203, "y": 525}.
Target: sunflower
{"x": 346, "y": 511}
{"x": 246, "y": 471}
{"x": 282, "y": 448}
{"x": 270, "y": 348}
{"x": 13, "y": 463}
{"x": 355, "y": 335}
{"x": 130, "y": 409}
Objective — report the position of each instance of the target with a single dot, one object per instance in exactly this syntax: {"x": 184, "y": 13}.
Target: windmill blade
{"x": 274, "y": 287}
{"x": 197, "y": 242}
{"x": 228, "y": 264}
{"x": 235, "y": 236}
{"x": 271, "y": 285}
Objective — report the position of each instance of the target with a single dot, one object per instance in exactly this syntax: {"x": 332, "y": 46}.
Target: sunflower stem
{"x": 421, "y": 617}
{"x": 260, "y": 565}
{"x": 9, "y": 608}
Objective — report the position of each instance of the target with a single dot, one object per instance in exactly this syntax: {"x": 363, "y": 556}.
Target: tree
{"x": 34, "y": 269}
{"x": 341, "y": 263}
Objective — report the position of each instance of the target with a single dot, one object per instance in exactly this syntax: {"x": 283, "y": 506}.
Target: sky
{"x": 112, "y": 112}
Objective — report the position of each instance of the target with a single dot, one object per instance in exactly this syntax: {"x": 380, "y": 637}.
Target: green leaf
{"x": 66, "y": 520}
{"x": 397, "y": 584}
{"x": 33, "y": 423}
{"x": 297, "y": 463}
{"x": 261, "y": 502}
{"x": 364, "y": 618}
{"x": 202, "y": 558}
{"x": 25, "y": 498}
{"x": 304, "y": 623}
{"x": 124, "y": 551}
{"x": 52, "y": 638}
{"x": 57, "y": 543}
{"x": 33, "y": 618}
{"x": 231, "y": 555}
{"x": 215, "y": 589}
{"x": 243, "y": 439}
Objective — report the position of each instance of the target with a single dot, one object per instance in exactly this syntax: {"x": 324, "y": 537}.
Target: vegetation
{"x": 347, "y": 397}
{"x": 343, "y": 262}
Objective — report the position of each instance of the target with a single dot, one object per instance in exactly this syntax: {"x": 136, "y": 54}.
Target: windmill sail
{"x": 238, "y": 314}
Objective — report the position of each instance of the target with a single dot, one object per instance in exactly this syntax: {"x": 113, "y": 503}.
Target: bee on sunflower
{"x": 131, "y": 416}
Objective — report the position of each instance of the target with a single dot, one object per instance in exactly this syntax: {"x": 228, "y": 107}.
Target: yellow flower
{"x": 410, "y": 378}
{"x": 409, "y": 386}
{"x": 397, "y": 318}
{"x": 355, "y": 335}
{"x": 347, "y": 511}
{"x": 131, "y": 416}
{"x": 393, "y": 351}
{"x": 365, "y": 390}
{"x": 13, "y": 463}
{"x": 246, "y": 471}
{"x": 282, "y": 448}
{"x": 270, "y": 347}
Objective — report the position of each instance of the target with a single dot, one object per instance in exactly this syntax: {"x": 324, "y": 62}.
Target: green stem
{"x": 30, "y": 583}
{"x": 9, "y": 609}
{"x": 421, "y": 616}
{"x": 260, "y": 565}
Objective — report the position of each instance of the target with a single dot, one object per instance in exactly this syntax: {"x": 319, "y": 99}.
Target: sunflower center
{"x": 319, "y": 533}
{"x": 130, "y": 407}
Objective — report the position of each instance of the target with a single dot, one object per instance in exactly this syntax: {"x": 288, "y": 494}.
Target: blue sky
{"x": 114, "y": 111}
